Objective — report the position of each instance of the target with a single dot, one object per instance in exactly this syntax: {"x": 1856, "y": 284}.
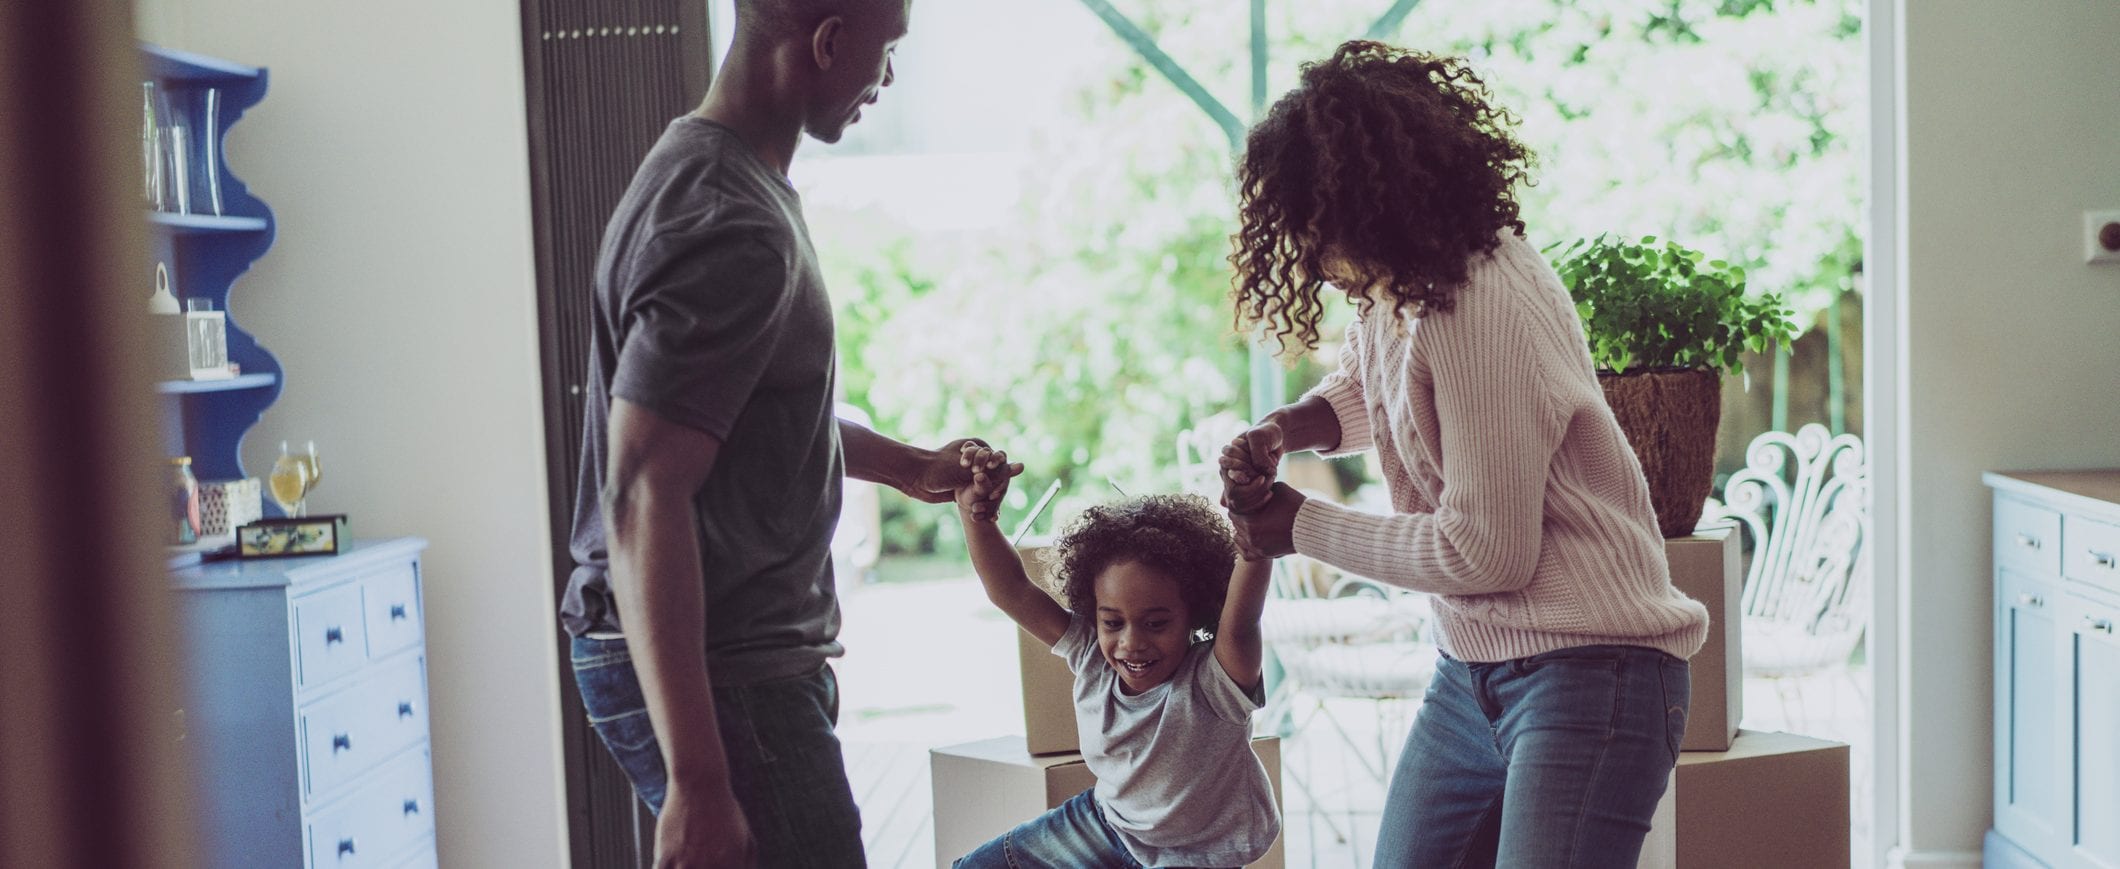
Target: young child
{"x": 1162, "y": 633}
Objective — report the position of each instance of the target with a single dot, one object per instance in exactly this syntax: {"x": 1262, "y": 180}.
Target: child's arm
{"x": 996, "y": 562}
{"x": 1237, "y": 645}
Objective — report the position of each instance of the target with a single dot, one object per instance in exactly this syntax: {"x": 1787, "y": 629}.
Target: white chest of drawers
{"x": 2057, "y": 670}
{"x": 305, "y": 709}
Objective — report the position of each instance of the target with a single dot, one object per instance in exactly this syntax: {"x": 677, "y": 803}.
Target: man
{"x": 702, "y": 604}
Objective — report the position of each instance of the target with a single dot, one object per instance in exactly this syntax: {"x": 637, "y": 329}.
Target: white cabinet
{"x": 2057, "y": 670}
{"x": 2094, "y": 721}
{"x": 2029, "y": 670}
{"x": 305, "y": 709}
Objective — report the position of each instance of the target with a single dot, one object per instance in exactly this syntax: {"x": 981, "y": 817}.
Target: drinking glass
{"x": 150, "y": 146}
{"x": 209, "y": 148}
{"x": 288, "y": 482}
{"x": 169, "y": 155}
{"x": 180, "y": 166}
{"x": 308, "y": 457}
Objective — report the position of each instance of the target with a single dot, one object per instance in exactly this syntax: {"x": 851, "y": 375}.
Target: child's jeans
{"x": 1072, "y": 836}
{"x": 1581, "y": 741}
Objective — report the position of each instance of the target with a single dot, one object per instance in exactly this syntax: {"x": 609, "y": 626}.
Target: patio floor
{"x": 931, "y": 664}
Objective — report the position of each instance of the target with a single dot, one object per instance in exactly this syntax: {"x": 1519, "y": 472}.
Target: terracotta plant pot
{"x": 1670, "y": 418}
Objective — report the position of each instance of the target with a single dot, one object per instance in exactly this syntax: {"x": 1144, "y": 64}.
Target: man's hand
{"x": 980, "y": 500}
{"x": 1269, "y": 530}
{"x": 702, "y": 830}
{"x": 937, "y": 479}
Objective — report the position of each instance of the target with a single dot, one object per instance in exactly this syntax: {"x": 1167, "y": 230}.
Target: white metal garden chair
{"x": 1803, "y": 500}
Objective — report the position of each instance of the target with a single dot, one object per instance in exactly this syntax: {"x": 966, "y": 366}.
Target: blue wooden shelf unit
{"x": 304, "y": 703}
{"x": 205, "y": 253}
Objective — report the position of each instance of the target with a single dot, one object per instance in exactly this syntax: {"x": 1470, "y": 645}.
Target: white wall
{"x": 400, "y": 299}
{"x": 2012, "y": 345}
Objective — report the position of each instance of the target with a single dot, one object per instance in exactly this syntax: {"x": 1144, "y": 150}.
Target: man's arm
{"x": 931, "y": 476}
{"x": 656, "y": 468}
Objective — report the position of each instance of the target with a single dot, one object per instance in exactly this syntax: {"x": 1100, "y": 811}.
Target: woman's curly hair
{"x": 1393, "y": 159}
{"x": 1183, "y": 536}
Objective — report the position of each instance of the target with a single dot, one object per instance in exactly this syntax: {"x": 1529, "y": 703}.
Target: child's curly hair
{"x": 1391, "y": 158}
{"x": 1181, "y": 535}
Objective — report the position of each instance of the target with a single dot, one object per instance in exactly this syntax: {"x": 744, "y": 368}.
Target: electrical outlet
{"x": 2101, "y": 237}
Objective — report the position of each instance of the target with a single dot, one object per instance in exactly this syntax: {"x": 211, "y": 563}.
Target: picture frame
{"x": 206, "y": 340}
{"x": 293, "y": 538}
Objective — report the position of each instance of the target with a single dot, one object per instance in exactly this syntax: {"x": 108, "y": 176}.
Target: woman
{"x": 1554, "y": 717}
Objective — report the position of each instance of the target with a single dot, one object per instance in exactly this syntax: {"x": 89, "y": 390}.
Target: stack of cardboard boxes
{"x": 986, "y": 788}
{"x": 1741, "y": 798}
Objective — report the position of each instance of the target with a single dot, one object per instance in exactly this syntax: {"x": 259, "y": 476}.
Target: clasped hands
{"x": 1262, "y": 509}
{"x": 988, "y": 471}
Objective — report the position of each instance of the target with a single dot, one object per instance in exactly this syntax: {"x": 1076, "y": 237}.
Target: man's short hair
{"x": 780, "y": 18}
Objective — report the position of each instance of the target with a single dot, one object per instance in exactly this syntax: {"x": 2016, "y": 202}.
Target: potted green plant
{"x": 1665, "y": 323}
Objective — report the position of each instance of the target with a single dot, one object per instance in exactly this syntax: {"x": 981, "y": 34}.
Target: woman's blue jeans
{"x": 1556, "y": 760}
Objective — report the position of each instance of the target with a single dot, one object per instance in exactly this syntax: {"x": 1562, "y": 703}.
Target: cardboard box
{"x": 986, "y": 788}
{"x": 1773, "y": 801}
{"x": 1048, "y": 686}
{"x": 1707, "y": 567}
{"x": 1048, "y": 698}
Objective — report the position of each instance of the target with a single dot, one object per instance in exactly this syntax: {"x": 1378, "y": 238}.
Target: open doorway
{"x": 1026, "y": 242}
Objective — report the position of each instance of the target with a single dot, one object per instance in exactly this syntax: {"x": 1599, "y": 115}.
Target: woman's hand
{"x": 1250, "y": 464}
{"x": 1269, "y": 529}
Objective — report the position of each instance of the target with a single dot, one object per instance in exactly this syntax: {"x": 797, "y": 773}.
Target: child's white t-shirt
{"x": 1176, "y": 776}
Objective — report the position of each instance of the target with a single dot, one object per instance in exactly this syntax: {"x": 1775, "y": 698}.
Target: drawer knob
{"x": 405, "y": 709}
{"x": 2096, "y": 625}
{"x": 412, "y": 807}
{"x": 345, "y": 847}
{"x": 334, "y": 635}
{"x": 2028, "y": 541}
{"x": 397, "y": 612}
{"x": 2102, "y": 560}
{"x": 2030, "y": 601}
{"x": 341, "y": 742}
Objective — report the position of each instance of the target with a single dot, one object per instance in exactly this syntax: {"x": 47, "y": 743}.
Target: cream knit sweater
{"x": 1516, "y": 499}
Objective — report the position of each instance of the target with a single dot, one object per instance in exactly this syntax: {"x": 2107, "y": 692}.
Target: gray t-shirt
{"x": 710, "y": 311}
{"x": 1176, "y": 776}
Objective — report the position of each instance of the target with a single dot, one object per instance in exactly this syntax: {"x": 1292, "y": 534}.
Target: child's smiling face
{"x": 1143, "y": 625}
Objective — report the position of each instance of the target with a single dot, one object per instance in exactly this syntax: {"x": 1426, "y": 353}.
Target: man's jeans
{"x": 784, "y": 760}
{"x": 1581, "y": 741}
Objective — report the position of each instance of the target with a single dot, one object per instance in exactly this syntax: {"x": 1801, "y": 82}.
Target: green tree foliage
{"x": 1085, "y": 332}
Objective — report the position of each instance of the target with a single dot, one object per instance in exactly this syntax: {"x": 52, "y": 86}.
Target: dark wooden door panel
{"x": 603, "y": 78}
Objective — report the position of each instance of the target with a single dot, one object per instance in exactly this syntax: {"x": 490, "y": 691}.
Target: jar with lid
{"x": 184, "y": 502}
